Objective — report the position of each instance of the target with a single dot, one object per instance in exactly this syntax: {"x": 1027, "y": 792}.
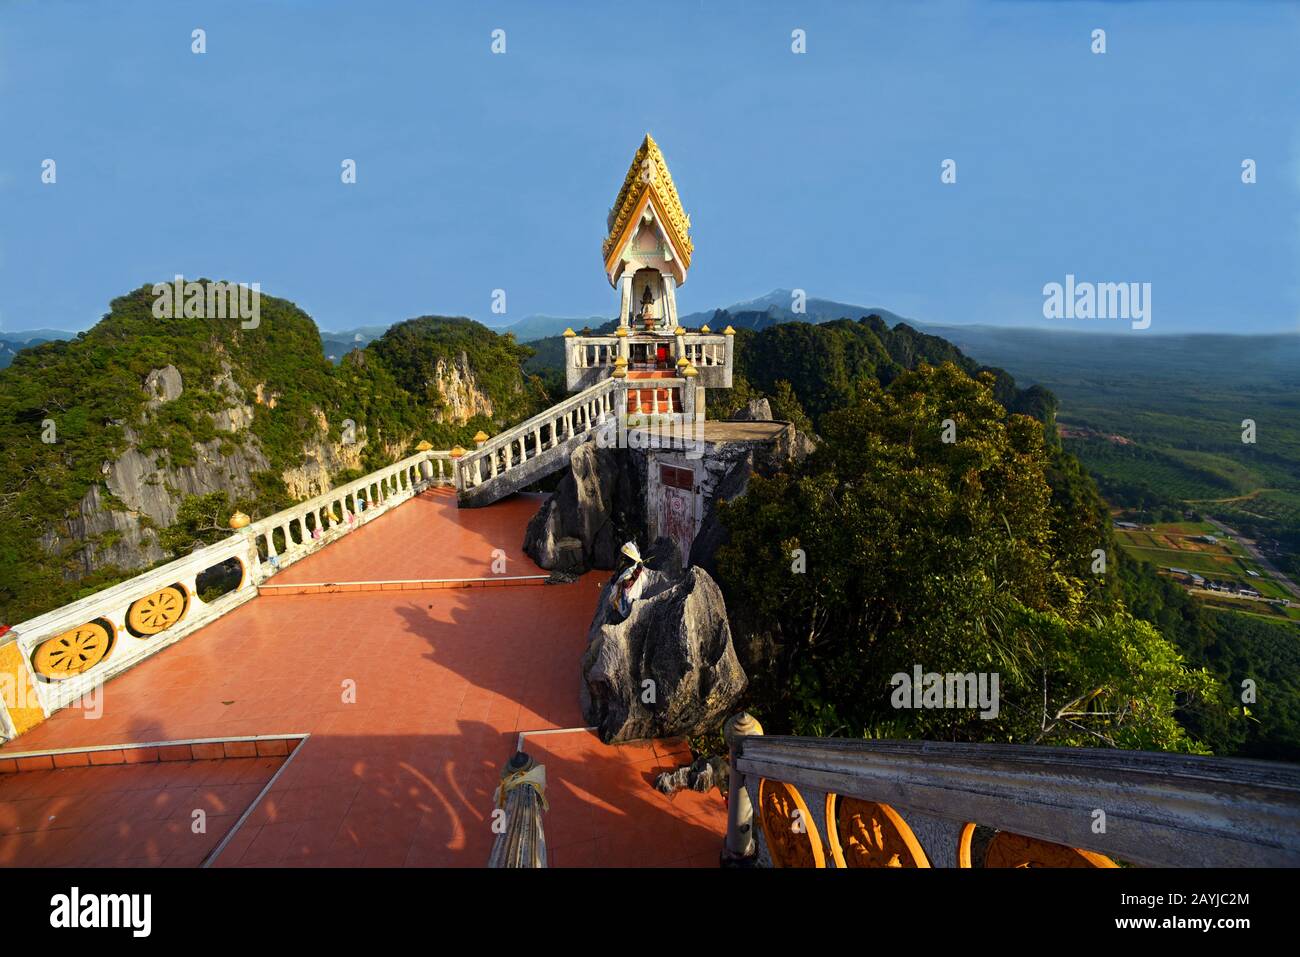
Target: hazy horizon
{"x": 497, "y": 324}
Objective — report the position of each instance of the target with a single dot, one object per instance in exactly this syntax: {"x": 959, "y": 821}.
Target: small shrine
{"x": 648, "y": 248}
{"x": 647, "y": 255}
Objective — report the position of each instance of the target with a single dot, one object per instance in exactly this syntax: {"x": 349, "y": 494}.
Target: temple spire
{"x": 647, "y": 246}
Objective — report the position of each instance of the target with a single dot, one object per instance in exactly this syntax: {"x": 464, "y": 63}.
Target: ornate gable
{"x": 648, "y": 174}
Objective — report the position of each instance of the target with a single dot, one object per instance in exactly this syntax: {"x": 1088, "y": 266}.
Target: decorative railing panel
{"x": 918, "y": 803}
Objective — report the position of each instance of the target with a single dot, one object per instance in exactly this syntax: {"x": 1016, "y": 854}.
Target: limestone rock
{"x": 163, "y": 385}
{"x": 738, "y": 463}
{"x": 582, "y": 525}
{"x": 712, "y": 534}
{"x": 702, "y": 774}
{"x": 789, "y": 447}
{"x": 676, "y": 636}
{"x": 459, "y": 390}
{"x": 755, "y": 410}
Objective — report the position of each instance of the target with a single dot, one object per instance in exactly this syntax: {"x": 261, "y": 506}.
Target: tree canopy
{"x": 925, "y": 531}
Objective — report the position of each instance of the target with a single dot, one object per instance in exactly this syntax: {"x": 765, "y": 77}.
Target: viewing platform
{"x": 406, "y": 704}
{"x": 665, "y": 354}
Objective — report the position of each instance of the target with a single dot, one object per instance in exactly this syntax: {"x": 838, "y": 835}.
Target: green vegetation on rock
{"x": 406, "y": 386}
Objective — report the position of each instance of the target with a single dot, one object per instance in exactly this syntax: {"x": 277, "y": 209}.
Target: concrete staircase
{"x": 535, "y": 448}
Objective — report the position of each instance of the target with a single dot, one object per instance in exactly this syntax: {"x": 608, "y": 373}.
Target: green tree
{"x": 200, "y": 520}
{"x": 917, "y": 550}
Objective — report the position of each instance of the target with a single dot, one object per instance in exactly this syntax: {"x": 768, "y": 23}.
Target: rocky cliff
{"x": 117, "y": 522}
{"x": 669, "y": 667}
{"x": 598, "y": 505}
{"x": 105, "y": 438}
{"x": 600, "y": 502}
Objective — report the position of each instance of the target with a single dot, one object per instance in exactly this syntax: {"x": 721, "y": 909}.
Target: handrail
{"x": 536, "y": 447}
{"x": 1146, "y": 808}
{"x": 505, "y": 463}
{"x": 378, "y": 486}
{"x": 563, "y": 407}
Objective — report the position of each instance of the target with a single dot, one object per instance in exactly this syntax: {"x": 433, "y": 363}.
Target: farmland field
{"x": 1175, "y": 545}
{"x": 1162, "y": 422}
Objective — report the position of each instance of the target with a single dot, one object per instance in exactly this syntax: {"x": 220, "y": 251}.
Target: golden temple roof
{"x": 650, "y": 177}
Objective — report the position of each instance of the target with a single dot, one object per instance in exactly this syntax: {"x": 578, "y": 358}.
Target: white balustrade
{"x": 574, "y": 416}
{"x": 257, "y": 551}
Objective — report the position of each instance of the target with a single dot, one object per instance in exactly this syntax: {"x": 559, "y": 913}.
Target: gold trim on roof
{"x": 655, "y": 179}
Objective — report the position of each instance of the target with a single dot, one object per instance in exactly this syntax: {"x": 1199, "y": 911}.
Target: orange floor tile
{"x": 413, "y": 701}
{"x": 128, "y": 815}
{"x": 400, "y": 545}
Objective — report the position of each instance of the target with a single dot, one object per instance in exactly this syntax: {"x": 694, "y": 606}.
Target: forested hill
{"x": 902, "y": 532}
{"x": 825, "y": 362}
{"x": 135, "y": 440}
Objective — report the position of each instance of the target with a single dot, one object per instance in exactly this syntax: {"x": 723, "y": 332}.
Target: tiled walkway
{"x": 127, "y": 815}
{"x": 415, "y": 541}
{"x": 413, "y": 701}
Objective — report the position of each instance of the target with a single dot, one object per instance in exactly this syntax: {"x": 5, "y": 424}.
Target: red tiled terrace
{"x": 445, "y": 680}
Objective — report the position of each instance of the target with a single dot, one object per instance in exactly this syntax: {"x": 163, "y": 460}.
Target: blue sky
{"x": 817, "y": 171}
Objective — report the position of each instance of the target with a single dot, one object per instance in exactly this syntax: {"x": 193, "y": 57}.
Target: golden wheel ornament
{"x": 867, "y": 834}
{"x": 791, "y": 833}
{"x": 156, "y": 612}
{"x": 1006, "y": 849}
{"x": 73, "y": 652}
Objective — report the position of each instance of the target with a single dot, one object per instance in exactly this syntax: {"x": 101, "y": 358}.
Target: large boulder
{"x": 592, "y": 511}
{"x": 755, "y": 410}
{"x": 677, "y": 637}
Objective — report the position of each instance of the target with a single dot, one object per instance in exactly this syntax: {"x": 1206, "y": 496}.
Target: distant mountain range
{"x": 532, "y": 328}
{"x": 338, "y": 344}
{"x": 1019, "y": 350}
{"x": 779, "y": 306}
{"x": 775, "y": 307}
{"x": 11, "y": 342}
